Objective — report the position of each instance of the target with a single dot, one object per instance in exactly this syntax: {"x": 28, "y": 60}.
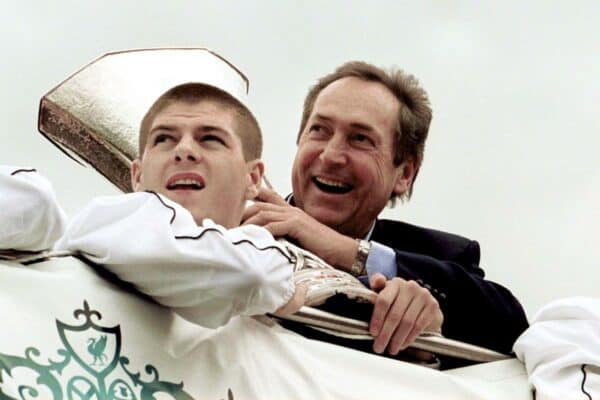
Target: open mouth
{"x": 185, "y": 183}
{"x": 330, "y": 186}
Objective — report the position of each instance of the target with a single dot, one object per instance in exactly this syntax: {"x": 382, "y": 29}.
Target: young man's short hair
{"x": 247, "y": 130}
{"x": 414, "y": 115}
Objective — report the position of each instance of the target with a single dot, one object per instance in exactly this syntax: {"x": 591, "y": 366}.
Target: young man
{"x": 360, "y": 145}
{"x": 178, "y": 238}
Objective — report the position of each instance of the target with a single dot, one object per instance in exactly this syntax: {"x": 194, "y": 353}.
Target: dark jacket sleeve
{"x": 476, "y": 310}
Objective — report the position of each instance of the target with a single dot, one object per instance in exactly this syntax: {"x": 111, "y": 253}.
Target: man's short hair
{"x": 413, "y": 118}
{"x": 247, "y": 128}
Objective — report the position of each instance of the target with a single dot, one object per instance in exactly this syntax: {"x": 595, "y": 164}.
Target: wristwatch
{"x": 360, "y": 262}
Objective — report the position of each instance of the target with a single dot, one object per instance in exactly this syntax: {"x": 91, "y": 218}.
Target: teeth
{"x": 186, "y": 182}
{"x": 331, "y": 183}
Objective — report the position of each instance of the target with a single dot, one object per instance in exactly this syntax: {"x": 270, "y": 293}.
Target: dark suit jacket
{"x": 476, "y": 310}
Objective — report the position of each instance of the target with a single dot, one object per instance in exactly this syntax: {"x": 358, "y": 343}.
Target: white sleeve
{"x": 207, "y": 274}
{"x": 561, "y": 350}
{"x": 30, "y": 217}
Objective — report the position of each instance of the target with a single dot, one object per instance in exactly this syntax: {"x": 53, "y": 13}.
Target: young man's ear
{"x": 256, "y": 169}
{"x": 406, "y": 174}
{"x": 136, "y": 175}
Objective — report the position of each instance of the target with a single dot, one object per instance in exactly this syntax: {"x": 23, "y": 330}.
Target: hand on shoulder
{"x": 284, "y": 220}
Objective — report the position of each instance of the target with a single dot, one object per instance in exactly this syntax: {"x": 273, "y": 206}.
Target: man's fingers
{"x": 401, "y": 318}
{"x": 377, "y": 282}
{"x": 270, "y": 196}
{"x": 382, "y": 305}
{"x": 393, "y": 324}
{"x": 262, "y": 218}
{"x": 275, "y": 223}
{"x": 413, "y": 322}
{"x": 424, "y": 318}
{"x": 264, "y": 214}
{"x": 423, "y": 313}
{"x": 295, "y": 302}
{"x": 279, "y": 229}
{"x": 379, "y": 326}
{"x": 388, "y": 291}
{"x": 249, "y": 212}
{"x": 402, "y": 311}
{"x": 438, "y": 319}
{"x": 258, "y": 207}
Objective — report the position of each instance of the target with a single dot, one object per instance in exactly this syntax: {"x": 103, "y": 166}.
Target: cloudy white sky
{"x": 512, "y": 159}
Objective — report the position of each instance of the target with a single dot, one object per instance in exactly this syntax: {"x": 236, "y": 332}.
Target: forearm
{"x": 209, "y": 295}
{"x": 208, "y": 274}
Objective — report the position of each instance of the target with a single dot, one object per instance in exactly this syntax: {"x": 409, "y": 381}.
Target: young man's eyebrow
{"x": 162, "y": 127}
{"x": 203, "y": 129}
{"x": 210, "y": 128}
{"x": 214, "y": 128}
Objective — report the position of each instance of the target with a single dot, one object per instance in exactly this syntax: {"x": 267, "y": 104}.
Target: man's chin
{"x": 340, "y": 219}
{"x": 183, "y": 198}
{"x": 331, "y": 217}
{"x": 182, "y": 195}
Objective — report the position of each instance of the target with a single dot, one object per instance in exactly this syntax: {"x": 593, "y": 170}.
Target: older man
{"x": 360, "y": 145}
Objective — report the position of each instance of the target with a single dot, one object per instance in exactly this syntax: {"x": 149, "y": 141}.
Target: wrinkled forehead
{"x": 359, "y": 103}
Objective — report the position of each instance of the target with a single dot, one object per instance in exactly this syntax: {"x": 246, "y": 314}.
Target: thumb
{"x": 377, "y": 282}
{"x": 295, "y": 303}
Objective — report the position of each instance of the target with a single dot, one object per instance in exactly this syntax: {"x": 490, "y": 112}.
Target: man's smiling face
{"x": 344, "y": 174}
{"x": 194, "y": 157}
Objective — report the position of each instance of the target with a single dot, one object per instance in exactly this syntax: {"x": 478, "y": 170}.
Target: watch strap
{"x": 359, "y": 265}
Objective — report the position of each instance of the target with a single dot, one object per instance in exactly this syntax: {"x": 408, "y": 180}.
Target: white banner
{"x": 70, "y": 334}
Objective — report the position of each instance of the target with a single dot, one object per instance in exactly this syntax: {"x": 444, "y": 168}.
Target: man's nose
{"x": 335, "y": 151}
{"x": 186, "y": 150}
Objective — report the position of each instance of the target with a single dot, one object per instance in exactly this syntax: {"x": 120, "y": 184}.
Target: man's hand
{"x": 281, "y": 219}
{"x": 295, "y": 302}
{"x": 402, "y": 311}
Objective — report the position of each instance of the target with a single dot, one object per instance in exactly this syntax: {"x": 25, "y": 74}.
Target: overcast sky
{"x": 512, "y": 157}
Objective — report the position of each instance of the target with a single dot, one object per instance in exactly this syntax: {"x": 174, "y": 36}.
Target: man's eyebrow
{"x": 362, "y": 127}
{"x": 323, "y": 117}
{"x": 355, "y": 125}
{"x": 212, "y": 128}
{"x": 215, "y": 129}
{"x": 203, "y": 128}
{"x": 162, "y": 127}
